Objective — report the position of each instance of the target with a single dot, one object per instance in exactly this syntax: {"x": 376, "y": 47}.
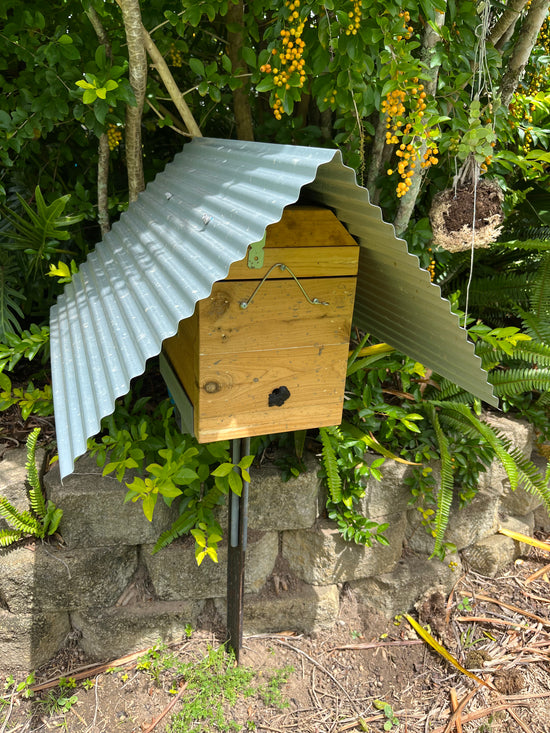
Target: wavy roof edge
{"x": 183, "y": 234}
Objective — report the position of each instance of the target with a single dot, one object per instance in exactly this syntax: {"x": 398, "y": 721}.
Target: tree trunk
{"x": 408, "y": 201}
{"x": 103, "y": 147}
{"x": 102, "y": 185}
{"x": 508, "y": 19}
{"x": 171, "y": 87}
{"x": 241, "y": 99}
{"x": 529, "y": 32}
{"x": 137, "y": 57}
{"x": 377, "y": 157}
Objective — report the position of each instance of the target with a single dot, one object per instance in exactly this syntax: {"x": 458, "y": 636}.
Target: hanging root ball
{"x": 452, "y": 216}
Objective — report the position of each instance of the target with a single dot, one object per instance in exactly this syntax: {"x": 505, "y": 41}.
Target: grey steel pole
{"x": 236, "y": 554}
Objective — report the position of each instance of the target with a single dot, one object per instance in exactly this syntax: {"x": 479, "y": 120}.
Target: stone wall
{"x": 103, "y": 589}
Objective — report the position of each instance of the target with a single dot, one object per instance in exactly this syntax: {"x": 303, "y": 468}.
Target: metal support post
{"x": 236, "y": 553}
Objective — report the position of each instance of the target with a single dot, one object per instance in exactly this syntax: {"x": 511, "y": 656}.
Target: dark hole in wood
{"x": 278, "y": 397}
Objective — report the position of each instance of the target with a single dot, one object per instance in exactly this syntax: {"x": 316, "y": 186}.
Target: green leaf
{"x": 265, "y": 85}
{"x": 149, "y": 505}
{"x": 226, "y": 63}
{"x": 212, "y": 553}
{"x": 89, "y": 96}
{"x": 169, "y": 490}
{"x": 224, "y": 469}
{"x": 196, "y": 66}
{"x": 235, "y": 483}
{"x": 249, "y": 56}
{"x": 200, "y": 537}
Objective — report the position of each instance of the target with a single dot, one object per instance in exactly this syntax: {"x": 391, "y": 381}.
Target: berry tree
{"x": 410, "y": 94}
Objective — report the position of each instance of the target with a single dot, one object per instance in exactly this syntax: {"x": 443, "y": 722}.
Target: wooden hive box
{"x": 259, "y": 358}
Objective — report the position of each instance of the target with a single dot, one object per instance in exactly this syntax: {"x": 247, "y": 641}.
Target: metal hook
{"x": 313, "y": 301}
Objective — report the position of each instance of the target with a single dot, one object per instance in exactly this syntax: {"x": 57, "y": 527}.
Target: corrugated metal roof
{"x": 182, "y": 235}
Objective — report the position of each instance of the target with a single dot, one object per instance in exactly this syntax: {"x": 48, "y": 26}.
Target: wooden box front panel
{"x": 279, "y": 341}
{"x": 230, "y": 360}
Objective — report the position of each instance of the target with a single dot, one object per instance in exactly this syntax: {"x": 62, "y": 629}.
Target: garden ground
{"x": 365, "y": 674}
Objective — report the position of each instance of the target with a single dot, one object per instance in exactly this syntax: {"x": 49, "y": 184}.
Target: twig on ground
{"x": 537, "y": 574}
{"x": 488, "y": 711}
{"x": 519, "y": 721}
{"x": 489, "y": 620}
{"x": 6, "y": 720}
{"x": 96, "y": 695}
{"x": 510, "y": 607}
{"x": 375, "y": 645}
{"x": 166, "y": 709}
{"x": 454, "y": 709}
{"x": 458, "y": 712}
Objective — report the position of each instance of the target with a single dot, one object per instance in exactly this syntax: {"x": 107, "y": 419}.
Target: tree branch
{"x": 103, "y": 146}
{"x": 508, "y": 19}
{"x": 131, "y": 16}
{"x": 377, "y": 157}
{"x": 241, "y": 99}
{"x": 517, "y": 62}
{"x": 102, "y": 184}
{"x": 170, "y": 84}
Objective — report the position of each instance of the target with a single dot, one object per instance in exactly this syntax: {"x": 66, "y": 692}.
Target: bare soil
{"x": 460, "y": 205}
{"x": 499, "y": 629}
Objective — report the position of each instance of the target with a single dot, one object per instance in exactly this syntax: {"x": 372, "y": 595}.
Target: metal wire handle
{"x": 313, "y": 301}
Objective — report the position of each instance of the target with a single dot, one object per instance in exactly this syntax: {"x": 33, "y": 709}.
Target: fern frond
{"x": 521, "y": 471}
{"x": 450, "y": 391}
{"x": 461, "y": 418}
{"x": 9, "y": 536}
{"x": 500, "y": 291}
{"x": 530, "y": 478}
{"x": 536, "y": 327}
{"x": 533, "y": 353}
{"x": 540, "y": 296}
{"x": 516, "y": 381}
{"x": 330, "y": 464}
{"x": 10, "y": 296}
{"x": 445, "y": 493}
{"x": 182, "y": 525}
{"x": 536, "y": 243}
{"x": 36, "y": 497}
{"x": 52, "y": 518}
{"x": 21, "y": 521}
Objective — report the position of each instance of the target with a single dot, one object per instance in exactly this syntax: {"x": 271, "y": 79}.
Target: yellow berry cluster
{"x": 399, "y": 125}
{"x": 114, "y": 136}
{"x": 354, "y": 18}
{"x": 539, "y": 78}
{"x": 331, "y": 97}
{"x": 487, "y": 162}
{"x": 288, "y": 60}
{"x": 176, "y": 59}
{"x": 408, "y": 29}
{"x": 544, "y": 36}
{"x": 430, "y": 156}
{"x": 522, "y": 115}
{"x": 431, "y": 266}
